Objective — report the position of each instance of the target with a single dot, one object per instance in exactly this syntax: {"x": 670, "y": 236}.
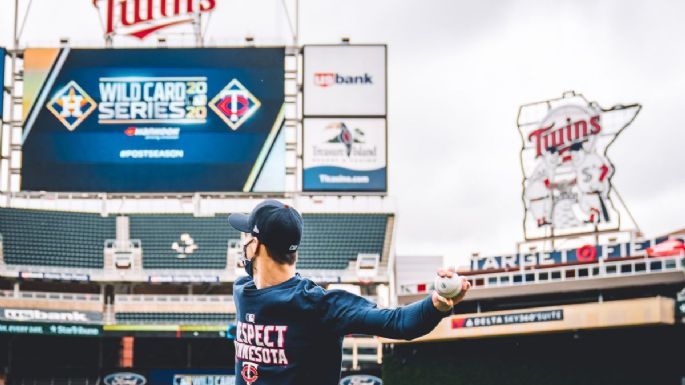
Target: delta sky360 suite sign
{"x": 153, "y": 120}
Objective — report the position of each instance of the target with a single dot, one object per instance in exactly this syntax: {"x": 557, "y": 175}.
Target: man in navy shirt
{"x": 289, "y": 331}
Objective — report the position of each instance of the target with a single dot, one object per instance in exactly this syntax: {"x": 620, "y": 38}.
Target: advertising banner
{"x": 61, "y": 276}
{"x": 344, "y": 154}
{"x": 582, "y": 254}
{"x": 585, "y": 316}
{"x": 184, "y": 278}
{"x": 166, "y": 331}
{"x": 50, "y": 329}
{"x": 125, "y": 377}
{"x": 169, "y": 377}
{"x": 192, "y": 377}
{"x": 366, "y": 376}
{"x": 141, "y": 19}
{"x": 154, "y": 120}
{"x": 42, "y": 315}
{"x": 344, "y": 80}
{"x": 508, "y": 319}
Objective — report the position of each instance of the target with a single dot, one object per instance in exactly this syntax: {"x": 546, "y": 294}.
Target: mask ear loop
{"x": 245, "y": 259}
{"x": 256, "y": 253}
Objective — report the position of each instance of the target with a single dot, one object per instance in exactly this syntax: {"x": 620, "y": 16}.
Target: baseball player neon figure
{"x": 289, "y": 331}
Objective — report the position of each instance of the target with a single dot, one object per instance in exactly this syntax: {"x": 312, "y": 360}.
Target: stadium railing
{"x": 167, "y": 307}
{"x": 625, "y": 267}
{"x": 602, "y": 269}
{"x": 361, "y": 349}
{"x": 51, "y": 300}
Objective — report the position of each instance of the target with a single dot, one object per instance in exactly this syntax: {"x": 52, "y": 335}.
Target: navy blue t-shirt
{"x": 292, "y": 333}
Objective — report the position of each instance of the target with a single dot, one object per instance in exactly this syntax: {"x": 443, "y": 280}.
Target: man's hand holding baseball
{"x": 446, "y": 304}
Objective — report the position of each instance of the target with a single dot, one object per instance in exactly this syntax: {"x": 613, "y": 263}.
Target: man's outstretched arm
{"x": 353, "y": 314}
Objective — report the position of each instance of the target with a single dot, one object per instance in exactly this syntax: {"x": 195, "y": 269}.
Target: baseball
{"x": 448, "y": 287}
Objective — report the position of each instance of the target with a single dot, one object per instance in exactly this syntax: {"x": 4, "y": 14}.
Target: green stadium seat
{"x": 157, "y": 232}
{"x": 331, "y": 241}
{"x": 174, "y": 318}
{"x": 69, "y": 239}
{"x": 54, "y": 238}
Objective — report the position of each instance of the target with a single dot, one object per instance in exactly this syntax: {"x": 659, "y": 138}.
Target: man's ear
{"x": 257, "y": 244}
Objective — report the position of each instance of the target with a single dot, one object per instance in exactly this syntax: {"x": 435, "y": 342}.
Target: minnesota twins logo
{"x": 184, "y": 246}
{"x": 567, "y": 174}
{"x": 249, "y": 372}
{"x": 346, "y": 136}
{"x": 234, "y": 104}
{"x": 71, "y": 105}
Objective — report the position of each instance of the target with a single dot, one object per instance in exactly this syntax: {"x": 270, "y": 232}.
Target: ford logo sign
{"x": 124, "y": 378}
{"x": 361, "y": 379}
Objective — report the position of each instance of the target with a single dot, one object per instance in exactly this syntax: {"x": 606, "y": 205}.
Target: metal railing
{"x": 118, "y": 275}
{"x": 540, "y": 275}
{"x": 37, "y": 295}
{"x": 184, "y": 299}
{"x": 358, "y": 350}
{"x": 602, "y": 269}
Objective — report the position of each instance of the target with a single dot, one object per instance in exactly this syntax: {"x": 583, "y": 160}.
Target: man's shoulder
{"x": 242, "y": 281}
{"x": 308, "y": 285}
{"x": 310, "y": 289}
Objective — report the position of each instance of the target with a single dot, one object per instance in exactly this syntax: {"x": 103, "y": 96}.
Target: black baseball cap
{"x": 276, "y": 225}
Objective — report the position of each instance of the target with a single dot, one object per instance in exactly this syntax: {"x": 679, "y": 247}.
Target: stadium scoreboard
{"x": 154, "y": 120}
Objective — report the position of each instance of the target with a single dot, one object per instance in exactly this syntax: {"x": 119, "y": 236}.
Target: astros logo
{"x": 234, "y": 104}
{"x": 71, "y": 105}
{"x": 249, "y": 372}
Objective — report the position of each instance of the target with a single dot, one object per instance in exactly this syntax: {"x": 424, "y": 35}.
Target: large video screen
{"x": 154, "y": 120}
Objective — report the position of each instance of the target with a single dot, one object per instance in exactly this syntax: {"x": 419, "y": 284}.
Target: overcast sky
{"x": 458, "y": 70}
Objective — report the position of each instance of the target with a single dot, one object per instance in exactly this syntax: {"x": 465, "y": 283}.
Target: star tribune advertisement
{"x": 151, "y": 120}
{"x": 344, "y": 154}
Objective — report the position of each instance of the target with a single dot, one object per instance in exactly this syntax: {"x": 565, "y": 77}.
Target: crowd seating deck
{"x": 174, "y": 318}
{"x": 54, "y": 238}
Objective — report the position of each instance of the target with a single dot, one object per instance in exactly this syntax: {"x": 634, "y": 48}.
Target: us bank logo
{"x": 234, "y": 104}
{"x": 328, "y": 79}
{"x": 71, "y": 105}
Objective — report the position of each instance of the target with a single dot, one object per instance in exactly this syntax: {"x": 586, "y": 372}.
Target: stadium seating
{"x": 157, "y": 233}
{"x": 330, "y": 241}
{"x": 174, "y": 318}
{"x": 54, "y": 238}
{"x": 68, "y": 239}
